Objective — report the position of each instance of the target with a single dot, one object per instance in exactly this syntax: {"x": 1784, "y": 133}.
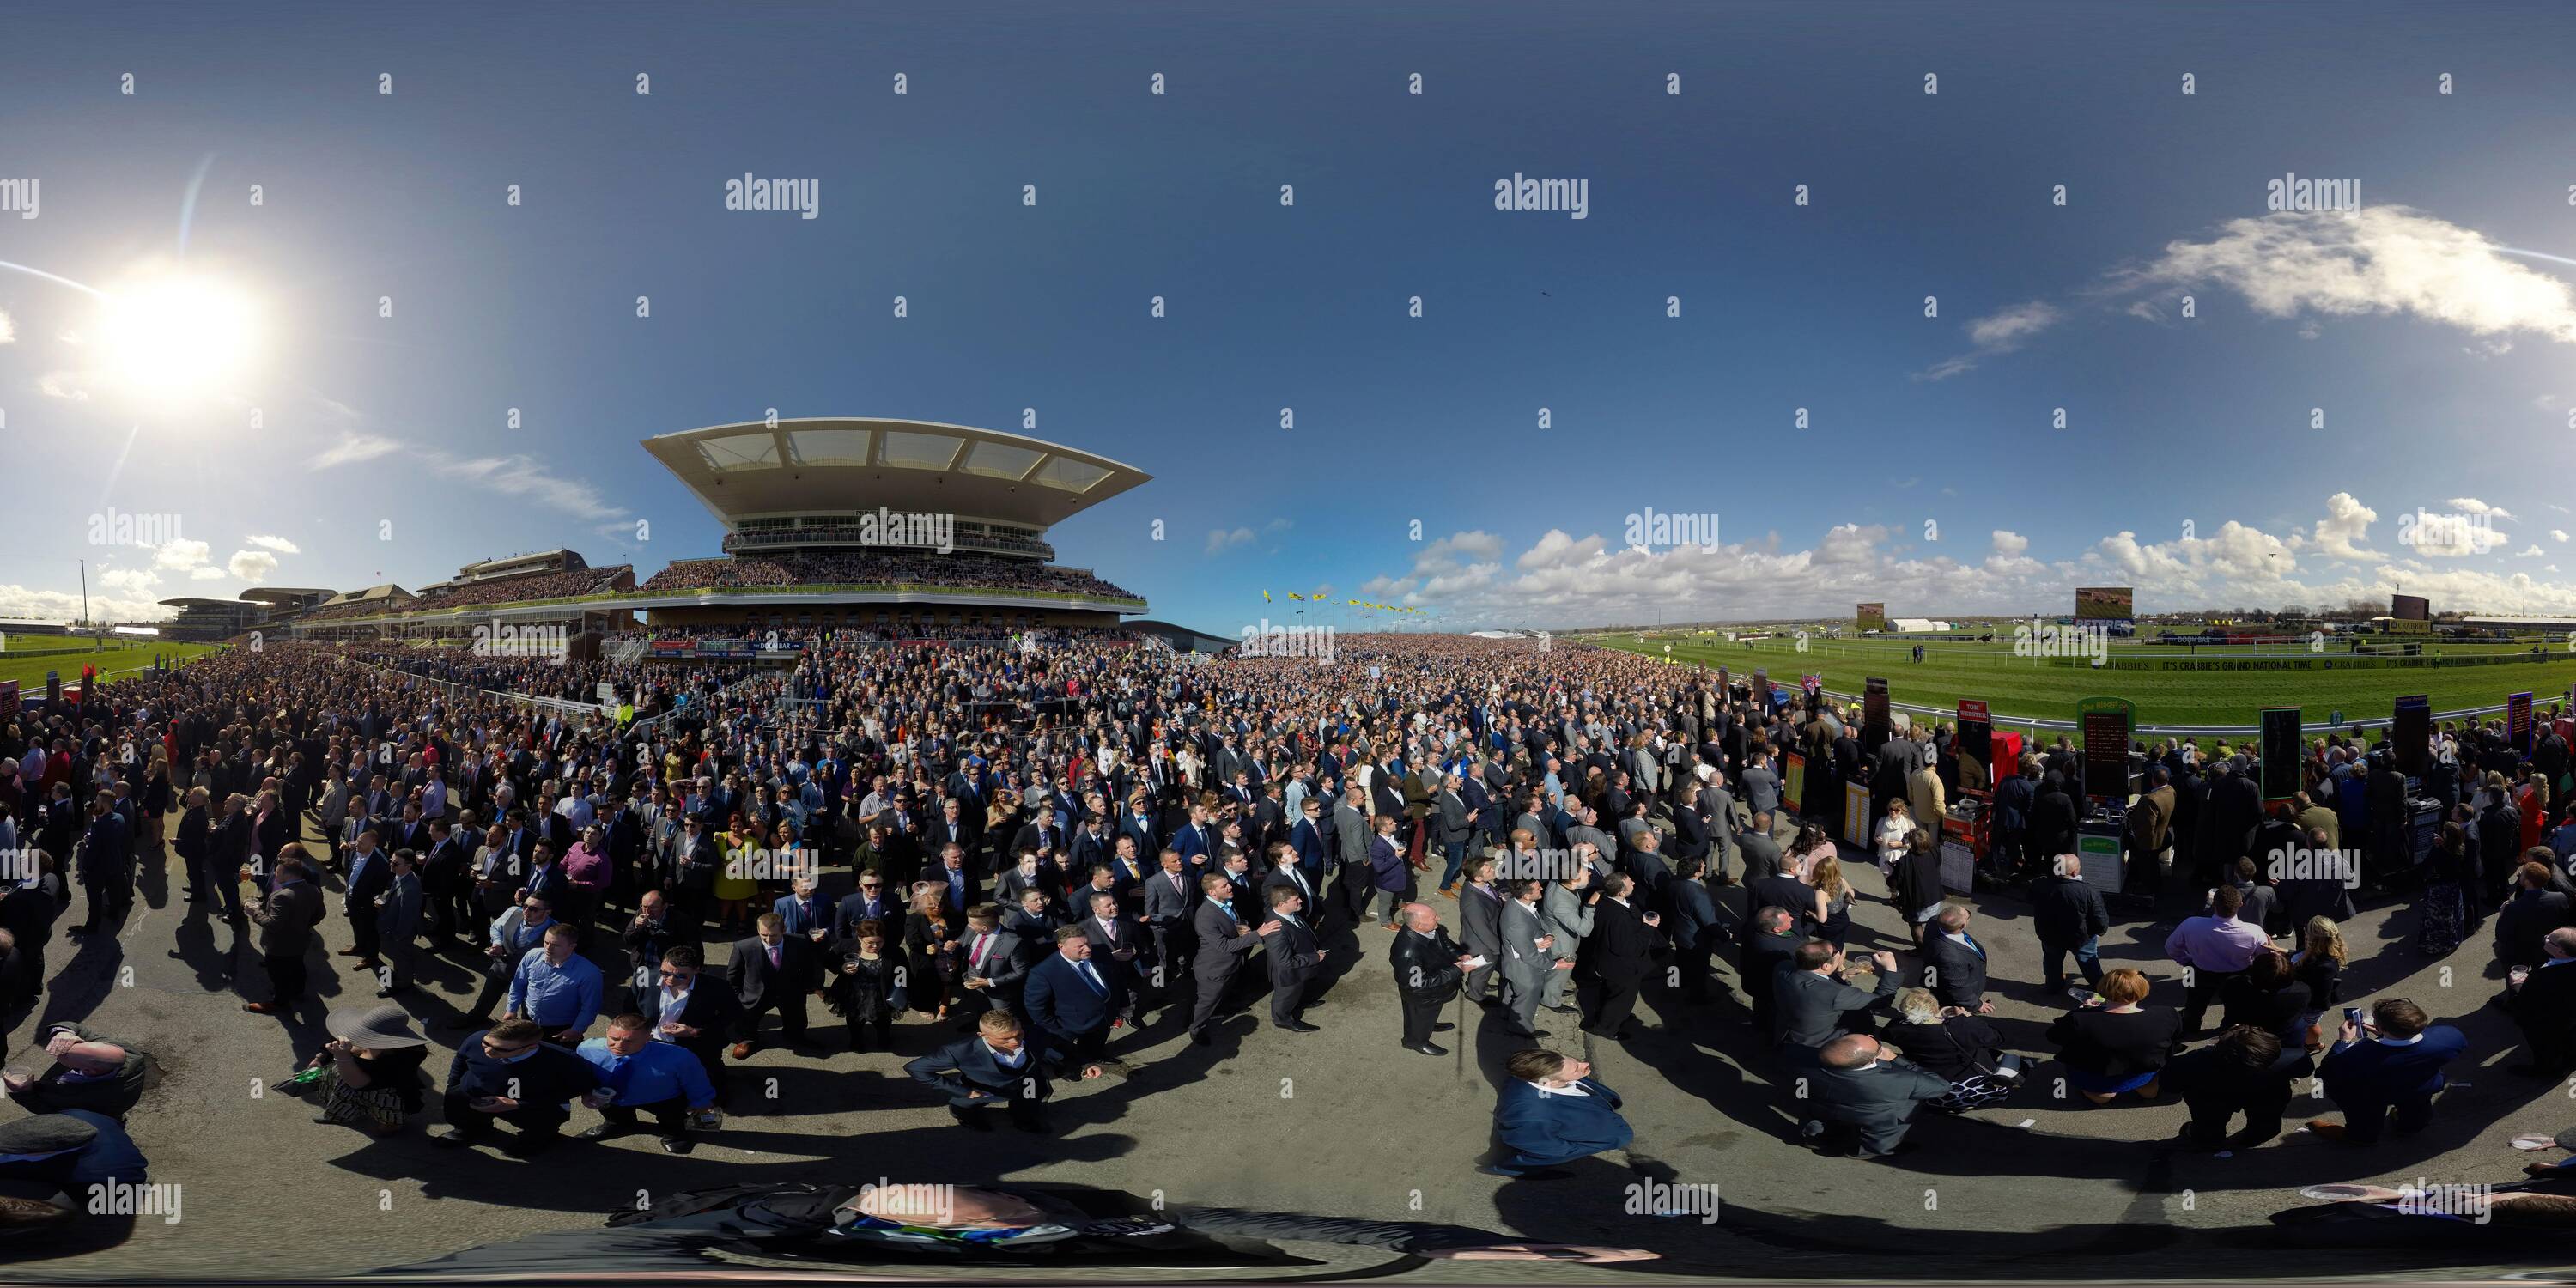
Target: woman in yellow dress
{"x": 734, "y": 886}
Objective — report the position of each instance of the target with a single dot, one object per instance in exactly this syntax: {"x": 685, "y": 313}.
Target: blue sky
{"x": 2440, "y": 362}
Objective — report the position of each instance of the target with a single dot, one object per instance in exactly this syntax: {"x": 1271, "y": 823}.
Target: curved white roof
{"x": 823, "y": 465}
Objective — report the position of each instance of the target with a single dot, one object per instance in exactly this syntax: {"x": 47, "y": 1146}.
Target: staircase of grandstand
{"x": 627, "y": 651}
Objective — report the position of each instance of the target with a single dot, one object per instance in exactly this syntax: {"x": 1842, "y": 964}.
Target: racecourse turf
{"x": 2036, "y": 689}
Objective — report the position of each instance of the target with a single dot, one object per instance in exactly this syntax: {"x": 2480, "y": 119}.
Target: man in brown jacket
{"x": 2313, "y": 817}
{"x": 2150, "y": 829}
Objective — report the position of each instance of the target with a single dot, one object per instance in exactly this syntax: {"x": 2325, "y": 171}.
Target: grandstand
{"x": 887, "y": 524}
{"x": 896, "y": 527}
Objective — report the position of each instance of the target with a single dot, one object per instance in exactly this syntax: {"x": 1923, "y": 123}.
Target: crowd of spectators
{"x": 874, "y": 569}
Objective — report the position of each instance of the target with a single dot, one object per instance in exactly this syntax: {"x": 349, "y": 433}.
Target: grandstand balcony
{"x": 780, "y": 536}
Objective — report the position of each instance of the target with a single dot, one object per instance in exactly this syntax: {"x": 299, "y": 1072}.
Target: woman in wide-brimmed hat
{"x": 371, "y": 1069}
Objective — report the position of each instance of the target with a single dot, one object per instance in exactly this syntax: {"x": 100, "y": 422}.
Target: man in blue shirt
{"x": 557, "y": 987}
{"x": 644, "y": 1076}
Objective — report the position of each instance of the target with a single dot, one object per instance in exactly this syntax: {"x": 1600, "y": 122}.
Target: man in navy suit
{"x": 994, "y": 1067}
{"x": 1195, "y": 841}
{"x": 868, "y": 903}
{"x": 2396, "y": 1066}
{"x": 1553, "y": 1112}
{"x": 804, "y": 911}
{"x": 1955, "y": 963}
{"x": 1307, "y": 839}
{"x": 1070, "y": 1001}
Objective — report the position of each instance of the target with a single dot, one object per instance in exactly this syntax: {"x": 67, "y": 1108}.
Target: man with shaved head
{"x": 1867, "y": 1090}
{"x": 1429, "y": 966}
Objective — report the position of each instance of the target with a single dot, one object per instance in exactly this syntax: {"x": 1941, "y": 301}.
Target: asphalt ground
{"x": 1342, "y": 1122}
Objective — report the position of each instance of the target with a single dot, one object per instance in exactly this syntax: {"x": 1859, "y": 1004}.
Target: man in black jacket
{"x": 772, "y": 970}
{"x": 2070, "y": 918}
{"x": 1627, "y": 934}
{"x": 1428, "y": 968}
{"x": 1294, "y": 959}
{"x": 2052, "y": 819}
{"x": 996, "y": 1066}
{"x": 1776, "y": 934}
{"x": 2543, "y": 1003}
{"x": 509, "y": 1072}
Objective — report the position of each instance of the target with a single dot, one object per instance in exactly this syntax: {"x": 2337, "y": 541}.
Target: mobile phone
{"x": 2352, "y": 1016}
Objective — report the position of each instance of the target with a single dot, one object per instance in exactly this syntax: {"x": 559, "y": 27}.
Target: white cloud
{"x": 2345, "y": 527}
{"x": 2377, "y": 261}
{"x": 2558, "y": 534}
{"x": 1849, "y": 543}
{"x": 2534, "y": 552}
{"x": 2472, "y": 505}
{"x": 71, "y": 386}
{"x": 252, "y": 565}
{"x": 182, "y": 554}
{"x": 131, "y": 581}
{"x": 1219, "y": 539}
{"x": 206, "y": 572}
{"x": 62, "y": 605}
{"x": 1565, "y": 579}
{"x": 354, "y": 448}
{"x": 521, "y": 475}
{"x": 8, "y": 329}
{"x": 279, "y": 544}
{"x": 1996, "y": 334}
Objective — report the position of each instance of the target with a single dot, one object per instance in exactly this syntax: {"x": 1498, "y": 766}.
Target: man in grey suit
{"x": 1809, "y": 1001}
{"x": 1225, "y": 943}
{"x": 1761, "y": 854}
{"x": 1528, "y": 958}
{"x": 1872, "y": 1092}
{"x": 1718, "y": 805}
{"x": 1480, "y": 921}
{"x": 1761, "y": 785}
{"x": 1351, "y": 833}
{"x": 1451, "y": 828}
{"x": 1566, "y": 911}
{"x": 1169, "y": 896}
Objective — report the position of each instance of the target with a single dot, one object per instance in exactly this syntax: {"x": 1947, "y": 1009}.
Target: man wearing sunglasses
{"x": 508, "y": 1073}
{"x": 687, "y": 1014}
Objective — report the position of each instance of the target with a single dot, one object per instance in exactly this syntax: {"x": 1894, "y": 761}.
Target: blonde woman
{"x": 1895, "y": 835}
{"x": 2319, "y": 961}
{"x": 1833, "y": 900}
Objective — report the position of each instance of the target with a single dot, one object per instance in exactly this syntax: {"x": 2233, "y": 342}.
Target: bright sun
{"x": 179, "y": 337}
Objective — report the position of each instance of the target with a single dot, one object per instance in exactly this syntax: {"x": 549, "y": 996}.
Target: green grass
{"x": 29, "y": 672}
{"x": 2020, "y": 687}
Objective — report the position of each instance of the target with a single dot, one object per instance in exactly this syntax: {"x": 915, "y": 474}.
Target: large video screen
{"x": 2103, "y": 604}
{"x": 1870, "y": 617}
